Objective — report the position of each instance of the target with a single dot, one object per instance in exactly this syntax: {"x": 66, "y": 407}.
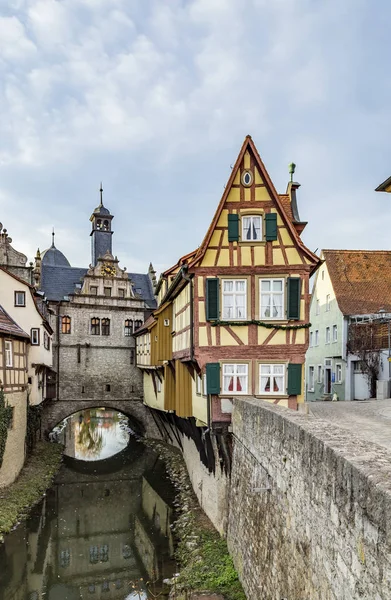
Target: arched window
{"x": 66, "y": 324}
{"x": 128, "y": 327}
{"x": 105, "y": 326}
{"x": 99, "y": 224}
{"x": 105, "y": 226}
{"x": 137, "y": 324}
{"x": 95, "y": 326}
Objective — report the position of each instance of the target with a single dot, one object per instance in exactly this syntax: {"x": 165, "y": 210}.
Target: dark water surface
{"x": 103, "y": 528}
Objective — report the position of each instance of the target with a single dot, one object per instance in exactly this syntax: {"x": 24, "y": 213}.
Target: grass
{"x": 17, "y": 499}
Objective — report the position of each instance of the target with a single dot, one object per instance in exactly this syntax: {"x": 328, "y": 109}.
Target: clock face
{"x": 108, "y": 270}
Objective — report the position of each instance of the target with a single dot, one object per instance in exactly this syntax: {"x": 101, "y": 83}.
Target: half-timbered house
{"x": 233, "y": 316}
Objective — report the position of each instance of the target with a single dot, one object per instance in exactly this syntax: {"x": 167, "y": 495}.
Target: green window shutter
{"x": 233, "y": 228}
{"x": 271, "y": 227}
{"x": 294, "y": 379}
{"x": 213, "y": 378}
{"x": 212, "y": 299}
{"x": 294, "y": 293}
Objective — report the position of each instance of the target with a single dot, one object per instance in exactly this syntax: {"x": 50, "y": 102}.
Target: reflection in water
{"x": 94, "y": 434}
{"x": 102, "y": 531}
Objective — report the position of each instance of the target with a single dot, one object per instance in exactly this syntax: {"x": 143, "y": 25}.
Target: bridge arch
{"x": 55, "y": 411}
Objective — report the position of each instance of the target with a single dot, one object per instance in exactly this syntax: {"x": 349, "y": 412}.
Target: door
{"x": 360, "y": 382}
{"x": 327, "y": 380}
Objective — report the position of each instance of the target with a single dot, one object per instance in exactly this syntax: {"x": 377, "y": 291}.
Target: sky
{"x": 155, "y": 98}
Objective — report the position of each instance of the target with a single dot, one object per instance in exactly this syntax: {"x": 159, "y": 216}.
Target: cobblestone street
{"x": 369, "y": 419}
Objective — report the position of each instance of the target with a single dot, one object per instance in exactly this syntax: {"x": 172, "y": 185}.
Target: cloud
{"x": 155, "y": 99}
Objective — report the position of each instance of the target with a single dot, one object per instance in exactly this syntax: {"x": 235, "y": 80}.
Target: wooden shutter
{"x": 212, "y": 299}
{"x": 294, "y": 379}
{"x": 271, "y": 227}
{"x": 233, "y": 228}
{"x": 294, "y": 293}
{"x": 213, "y": 378}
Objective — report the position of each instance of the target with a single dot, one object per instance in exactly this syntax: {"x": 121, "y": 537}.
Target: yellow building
{"x": 233, "y": 315}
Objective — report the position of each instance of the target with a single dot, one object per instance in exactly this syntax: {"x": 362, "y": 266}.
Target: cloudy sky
{"x": 155, "y": 97}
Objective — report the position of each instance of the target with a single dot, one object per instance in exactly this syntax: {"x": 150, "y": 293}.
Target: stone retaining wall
{"x": 310, "y": 508}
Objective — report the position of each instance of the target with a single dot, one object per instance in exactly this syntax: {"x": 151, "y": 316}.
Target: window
{"x": 105, "y": 326}
{"x": 66, "y": 324}
{"x": 235, "y": 299}
{"x": 107, "y": 291}
{"x": 121, "y": 292}
{"x": 104, "y": 553}
{"x": 158, "y": 385}
{"x": 338, "y": 373}
{"x": 95, "y": 326}
{"x": 106, "y": 586}
{"x": 311, "y": 382}
{"x": 91, "y": 588}
{"x": 65, "y": 558}
{"x": 20, "y": 298}
{"x": 320, "y": 374}
{"x": 272, "y": 379}
{"x": 99, "y": 224}
{"x": 46, "y": 341}
{"x": 317, "y": 307}
{"x": 311, "y": 338}
{"x": 107, "y": 387}
{"x": 251, "y": 229}
{"x": 322, "y": 274}
{"x": 128, "y": 330}
{"x": 327, "y": 302}
{"x": 204, "y": 384}
{"x": 126, "y": 551}
{"x": 247, "y": 178}
{"x": 316, "y": 340}
{"x": 94, "y": 554}
{"x": 335, "y": 333}
{"x": 198, "y": 384}
{"x": 34, "y": 337}
{"x": 137, "y": 324}
{"x": 132, "y": 356}
{"x": 327, "y": 335}
{"x": 105, "y": 226}
{"x": 235, "y": 379}
{"x": 272, "y": 298}
{"x": 93, "y": 290}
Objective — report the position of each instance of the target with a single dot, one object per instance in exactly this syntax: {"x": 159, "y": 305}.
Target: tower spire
{"x": 101, "y": 194}
{"x": 53, "y": 234}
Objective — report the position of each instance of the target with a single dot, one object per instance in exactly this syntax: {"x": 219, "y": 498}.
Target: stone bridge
{"x": 140, "y": 416}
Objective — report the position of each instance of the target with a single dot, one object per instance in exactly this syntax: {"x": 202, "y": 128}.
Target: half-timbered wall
{"x": 161, "y": 340}
{"x": 143, "y": 346}
{"x": 14, "y": 378}
{"x": 181, "y": 326}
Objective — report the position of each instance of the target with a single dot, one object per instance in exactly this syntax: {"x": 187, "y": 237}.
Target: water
{"x": 103, "y": 528}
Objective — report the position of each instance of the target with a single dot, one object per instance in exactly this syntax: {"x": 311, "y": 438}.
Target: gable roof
{"x": 9, "y": 327}
{"x": 361, "y": 280}
{"x": 23, "y": 281}
{"x": 280, "y": 201}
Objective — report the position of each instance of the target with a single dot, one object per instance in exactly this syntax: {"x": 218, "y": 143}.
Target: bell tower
{"x": 101, "y": 233}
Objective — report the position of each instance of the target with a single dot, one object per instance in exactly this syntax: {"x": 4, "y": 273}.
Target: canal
{"x": 103, "y": 530}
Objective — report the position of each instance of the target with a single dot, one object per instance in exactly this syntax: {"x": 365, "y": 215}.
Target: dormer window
{"x": 251, "y": 228}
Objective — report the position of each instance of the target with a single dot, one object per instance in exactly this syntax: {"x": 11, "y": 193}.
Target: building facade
{"x": 233, "y": 315}
{"x": 351, "y": 287}
{"x": 95, "y": 312}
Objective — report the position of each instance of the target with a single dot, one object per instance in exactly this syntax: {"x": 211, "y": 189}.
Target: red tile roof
{"x": 9, "y": 327}
{"x": 361, "y": 280}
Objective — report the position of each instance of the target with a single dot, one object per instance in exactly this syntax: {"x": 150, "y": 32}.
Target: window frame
{"x": 284, "y": 375}
{"x": 95, "y": 288}
{"x": 234, "y": 293}
{"x": 105, "y": 326}
{"x": 35, "y": 330}
{"x": 105, "y": 289}
{"x": 8, "y": 363}
{"x": 198, "y": 385}
{"x": 283, "y": 293}
{"x": 327, "y": 335}
{"x": 317, "y": 307}
{"x": 65, "y": 325}
{"x": 251, "y": 216}
{"x": 123, "y": 292}
{"x": 316, "y": 338}
{"x": 23, "y": 293}
{"x": 46, "y": 340}
{"x": 235, "y": 375}
{"x": 320, "y": 374}
{"x": 95, "y": 327}
{"x": 338, "y": 366}
{"x": 311, "y": 340}
{"x": 128, "y": 329}
{"x": 328, "y": 302}
{"x": 335, "y": 337}
{"x": 311, "y": 388}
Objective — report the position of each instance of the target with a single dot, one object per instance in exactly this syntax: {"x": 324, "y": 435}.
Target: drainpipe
{"x": 58, "y": 350}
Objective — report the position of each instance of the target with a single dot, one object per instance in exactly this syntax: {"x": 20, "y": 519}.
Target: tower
{"x": 101, "y": 233}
